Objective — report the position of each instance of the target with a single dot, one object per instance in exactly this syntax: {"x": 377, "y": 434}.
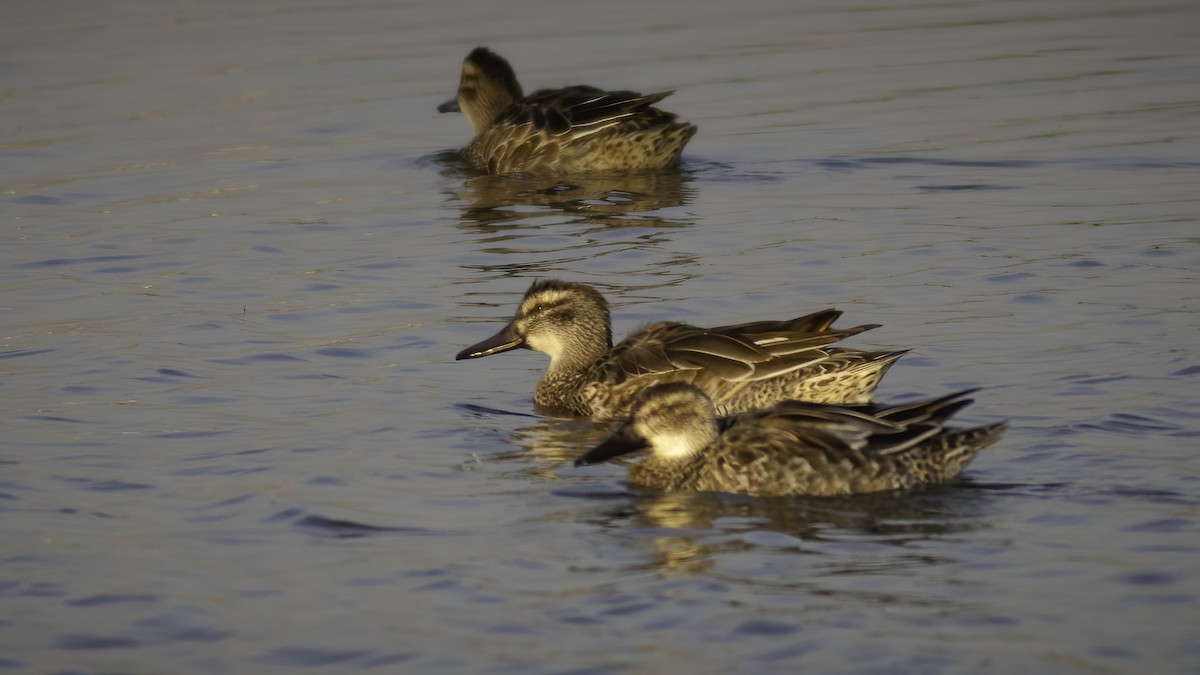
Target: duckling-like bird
{"x": 793, "y": 448}
{"x": 741, "y": 367}
{"x": 570, "y": 130}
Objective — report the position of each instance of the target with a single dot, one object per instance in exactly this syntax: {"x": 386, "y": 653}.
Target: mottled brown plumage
{"x": 794, "y": 447}
{"x": 743, "y": 366}
{"x": 571, "y": 130}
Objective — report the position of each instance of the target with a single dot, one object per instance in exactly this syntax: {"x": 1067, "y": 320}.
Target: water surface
{"x": 240, "y": 255}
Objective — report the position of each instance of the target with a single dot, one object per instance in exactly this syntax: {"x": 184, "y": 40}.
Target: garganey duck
{"x": 741, "y": 367}
{"x": 570, "y": 130}
{"x": 792, "y": 448}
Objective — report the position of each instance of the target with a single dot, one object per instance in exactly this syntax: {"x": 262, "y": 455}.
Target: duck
{"x": 575, "y": 129}
{"x": 792, "y": 448}
{"x": 741, "y": 366}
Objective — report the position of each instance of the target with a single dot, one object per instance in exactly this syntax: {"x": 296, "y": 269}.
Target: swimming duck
{"x": 741, "y": 367}
{"x": 792, "y": 448}
{"x": 570, "y": 130}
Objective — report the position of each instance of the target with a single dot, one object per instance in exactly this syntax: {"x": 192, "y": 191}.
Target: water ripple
{"x": 268, "y": 357}
{"x": 60, "y": 262}
{"x": 191, "y": 434}
{"x": 39, "y": 200}
{"x": 344, "y": 353}
{"x": 55, "y": 418}
{"x": 167, "y": 374}
{"x": 308, "y": 657}
{"x": 18, "y": 353}
{"x": 964, "y": 187}
{"x": 1124, "y": 423}
{"x": 84, "y": 642}
{"x": 347, "y": 529}
{"x": 112, "y": 599}
{"x": 108, "y": 485}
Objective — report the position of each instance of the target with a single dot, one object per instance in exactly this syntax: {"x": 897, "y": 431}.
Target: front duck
{"x": 792, "y": 448}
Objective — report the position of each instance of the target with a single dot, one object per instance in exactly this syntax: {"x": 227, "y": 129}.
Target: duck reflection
{"x": 889, "y": 518}
{"x": 554, "y": 442}
{"x": 492, "y": 204}
{"x": 690, "y": 530}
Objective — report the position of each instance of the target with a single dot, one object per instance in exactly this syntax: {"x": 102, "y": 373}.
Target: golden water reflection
{"x": 491, "y": 204}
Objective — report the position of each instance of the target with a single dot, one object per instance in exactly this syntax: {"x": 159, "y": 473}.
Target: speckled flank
{"x": 794, "y": 447}
{"x": 571, "y": 130}
{"x": 741, "y": 367}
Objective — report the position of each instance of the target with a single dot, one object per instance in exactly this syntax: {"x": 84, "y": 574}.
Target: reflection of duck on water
{"x": 570, "y": 130}
{"x": 741, "y": 367}
{"x": 690, "y": 531}
{"x": 605, "y": 199}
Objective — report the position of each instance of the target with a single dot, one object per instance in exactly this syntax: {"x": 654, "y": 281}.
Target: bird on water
{"x": 570, "y": 130}
{"x": 792, "y": 448}
{"x": 740, "y": 366}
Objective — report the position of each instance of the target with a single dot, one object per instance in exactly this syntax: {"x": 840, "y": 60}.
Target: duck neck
{"x": 568, "y": 370}
{"x": 483, "y": 113}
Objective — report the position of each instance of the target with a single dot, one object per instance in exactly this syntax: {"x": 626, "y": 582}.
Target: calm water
{"x": 239, "y": 258}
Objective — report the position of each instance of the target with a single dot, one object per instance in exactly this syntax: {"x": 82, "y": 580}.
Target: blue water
{"x": 240, "y": 255}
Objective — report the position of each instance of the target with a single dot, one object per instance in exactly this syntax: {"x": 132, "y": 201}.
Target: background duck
{"x": 792, "y": 448}
{"x": 741, "y": 366}
{"x": 570, "y": 130}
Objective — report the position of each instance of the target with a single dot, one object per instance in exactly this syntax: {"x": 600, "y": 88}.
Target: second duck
{"x": 741, "y": 367}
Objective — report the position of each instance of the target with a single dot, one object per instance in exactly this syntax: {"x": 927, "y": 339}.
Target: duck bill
{"x": 450, "y": 106}
{"x": 623, "y": 442}
{"x": 503, "y": 341}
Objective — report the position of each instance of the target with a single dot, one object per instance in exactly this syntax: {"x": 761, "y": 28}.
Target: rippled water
{"x": 239, "y": 257}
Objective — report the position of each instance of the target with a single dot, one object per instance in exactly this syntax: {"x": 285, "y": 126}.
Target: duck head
{"x": 568, "y": 321}
{"x": 487, "y": 87}
{"x": 675, "y": 420}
